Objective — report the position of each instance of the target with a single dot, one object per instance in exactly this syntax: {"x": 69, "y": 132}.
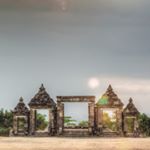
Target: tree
{"x": 6, "y": 119}
{"x": 83, "y": 123}
{"x": 144, "y": 124}
{"x": 6, "y": 122}
{"x": 109, "y": 122}
{"x": 41, "y": 122}
{"x": 68, "y": 121}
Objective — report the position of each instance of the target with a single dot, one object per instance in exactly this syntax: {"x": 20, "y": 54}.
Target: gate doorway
{"x": 109, "y": 122}
{"x": 88, "y": 129}
{"x": 76, "y": 119}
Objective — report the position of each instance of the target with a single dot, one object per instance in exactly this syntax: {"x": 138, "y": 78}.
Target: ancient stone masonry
{"x": 130, "y": 113}
{"x": 109, "y": 100}
{"x": 42, "y": 100}
{"x": 24, "y": 119}
{"x": 20, "y": 112}
{"x": 60, "y": 111}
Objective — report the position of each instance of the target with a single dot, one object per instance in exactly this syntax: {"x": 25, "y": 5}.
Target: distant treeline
{"x": 6, "y": 123}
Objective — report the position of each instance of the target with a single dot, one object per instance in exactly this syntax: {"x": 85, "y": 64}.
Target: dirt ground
{"x": 54, "y": 143}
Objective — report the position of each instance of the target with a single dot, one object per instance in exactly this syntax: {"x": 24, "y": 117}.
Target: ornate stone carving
{"x": 42, "y": 99}
{"x": 109, "y": 99}
{"x": 130, "y": 109}
{"x": 131, "y": 112}
{"x": 21, "y": 109}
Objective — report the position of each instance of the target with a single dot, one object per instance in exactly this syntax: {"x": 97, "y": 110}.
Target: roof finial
{"x": 109, "y": 87}
{"x": 130, "y": 100}
{"x": 21, "y": 99}
{"x": 42, "y": 87}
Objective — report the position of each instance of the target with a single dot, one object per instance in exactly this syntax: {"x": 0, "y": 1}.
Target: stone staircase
{"x": 110, "y": 134}
{"x": 41, "y": 134}
{"x": 76, "y": 133}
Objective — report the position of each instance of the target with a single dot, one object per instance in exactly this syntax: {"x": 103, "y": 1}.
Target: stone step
{"x": 74, "y": 133}
{"x": 41, "y": 134}
{"x": 110, "y": 134}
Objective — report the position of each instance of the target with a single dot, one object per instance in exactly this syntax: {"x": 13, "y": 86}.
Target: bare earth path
{"x": 74, "y": 143}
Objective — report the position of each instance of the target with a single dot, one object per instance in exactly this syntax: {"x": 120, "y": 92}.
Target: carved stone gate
{"x": 21, "y": 113}
{"x": 60, "y": 111}
{"x": 109, "y": 101}
{"x": 42, "y": 100}
{"x": 24, "y": 119}
{"x": 130, "y": 113}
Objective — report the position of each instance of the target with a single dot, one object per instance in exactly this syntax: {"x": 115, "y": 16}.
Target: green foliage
{"x": 144, "y": 124}
{"x": 109, "y": 122}
{"x": 6, "y": 119}
{"x": 130, "y": 124}
{"x": 21, "y": 123}
{"x": 68, "y": 121}
{"x": 83, "y": 123}
{"x": 4, "y": 131}
{"x": 103, "y": 100}
{"x": 6, "y": 122}
{"x": 41, "y": 122}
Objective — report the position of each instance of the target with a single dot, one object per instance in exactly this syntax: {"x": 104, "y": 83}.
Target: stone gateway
{"x": 107, "y": 117}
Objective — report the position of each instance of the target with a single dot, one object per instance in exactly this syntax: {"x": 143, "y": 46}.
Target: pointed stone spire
{"x": 21, "y": 100}
{"x": 130, "y": 100}
{"x": 110, "y": 98}
{"x": 130, "y": 109}
{"x": 110, "y": 88}
{"x": 42, "y": 99}
{"x": 42, "y": 87}
{"x": 21, "y": 108}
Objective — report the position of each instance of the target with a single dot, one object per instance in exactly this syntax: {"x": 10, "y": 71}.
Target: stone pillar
{"x": 125, "y": 128}
{"x": 91, "y": 117}
{"x": 26, "y": 125}
{"x": 32, "y": 121}
{"x": 100, "y": 116}
{"x": 51, "y": 121}
{"x": 60, "y": 118}
{"x": 15, "y": 126}
{"x": 50, "y": 124}
{"x": 119, "y": 121}
{"x": 136, "y": 124}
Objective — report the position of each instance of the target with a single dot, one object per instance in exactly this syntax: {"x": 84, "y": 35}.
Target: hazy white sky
{"x": 106, "y": 39}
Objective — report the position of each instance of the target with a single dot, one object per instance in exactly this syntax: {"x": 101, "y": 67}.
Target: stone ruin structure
{"x": 109, "y": 100}
{"x": 21, "y": 112}
{"x": 96, "y": 117}
{"x": 42, "y": 100}
{"x": 130, "y": 112}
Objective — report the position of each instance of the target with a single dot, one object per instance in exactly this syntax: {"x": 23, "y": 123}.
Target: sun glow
{"x": 93, "y": 83}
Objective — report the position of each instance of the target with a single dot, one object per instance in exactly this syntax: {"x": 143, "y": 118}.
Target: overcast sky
{"x": 64, "y": 44}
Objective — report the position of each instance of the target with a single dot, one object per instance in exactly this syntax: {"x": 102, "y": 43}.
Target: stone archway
{"x": 109, "y": 100}
{"x": 21, "y": 112}
{"x": 43, "y": 101}
{"x": 130, "y": 113}
{"x": 60, "y": 111}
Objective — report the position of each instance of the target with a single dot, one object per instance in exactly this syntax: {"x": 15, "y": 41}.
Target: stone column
{"x": 136, "y": 124}
{"x": 125, "y": 127}
{"x": 91, "y": 117}
{"x": 51, "y": 121}
{"x": 15, "y": 126}
{"x": 119, "y": 121}
{"x": 60, "y": 118}
{"x": 100, "y": 116}
{"x": 49, "y": 124}
{"x": 32, "y": 121}
{"x": 26, "y": 125}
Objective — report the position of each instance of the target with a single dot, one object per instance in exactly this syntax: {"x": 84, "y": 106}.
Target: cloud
{"x": 130, "y": 85}
{"x": 126, "y": 87}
